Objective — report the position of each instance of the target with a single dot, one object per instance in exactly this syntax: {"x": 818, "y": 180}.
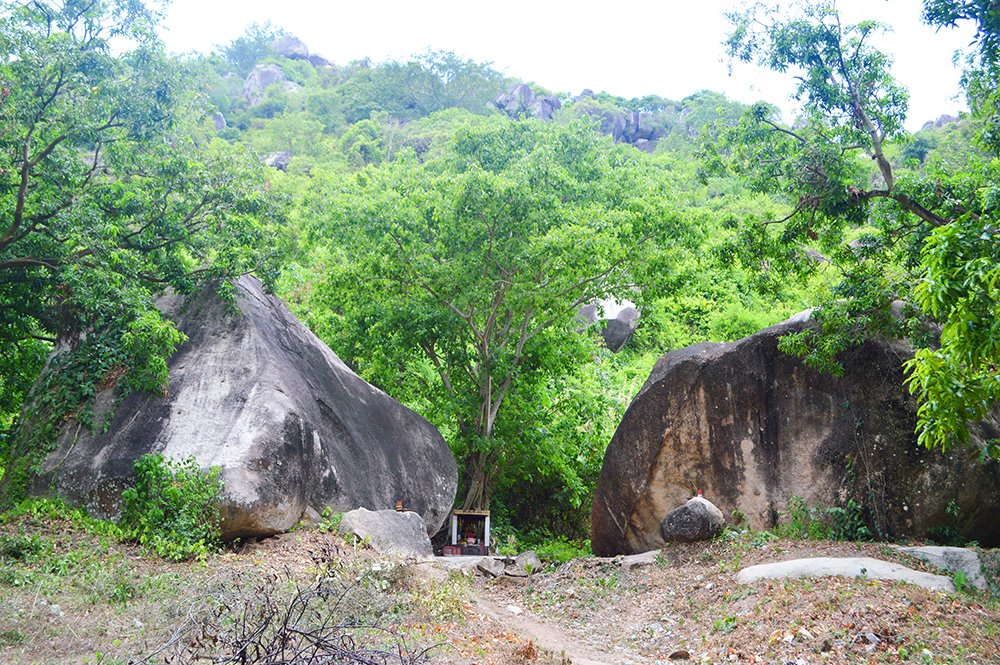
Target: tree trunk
{"x": 478, "y": 481}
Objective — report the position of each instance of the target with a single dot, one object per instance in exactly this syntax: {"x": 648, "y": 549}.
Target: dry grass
{"x": 119, "y": 604}
{"x": 691, "y": 602}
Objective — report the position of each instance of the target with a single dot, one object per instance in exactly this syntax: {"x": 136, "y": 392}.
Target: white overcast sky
{"x": 632, "y": 49}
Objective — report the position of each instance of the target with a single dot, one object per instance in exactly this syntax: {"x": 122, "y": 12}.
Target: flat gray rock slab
{"x": 400, "y": 533}
{"x": 867, "y": 568}
{"x": 457, "y": 562}
{"x": 639, "y": 560}
{"x": 952, "y": 559}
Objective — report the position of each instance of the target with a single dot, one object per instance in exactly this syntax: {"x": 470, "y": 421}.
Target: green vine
{"x": 120, "y": 355}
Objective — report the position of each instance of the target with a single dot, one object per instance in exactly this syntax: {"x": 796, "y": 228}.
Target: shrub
{"x": 174, "y": 507}
{"x": 736, "y": 322}
{"x": 805, "y": 522}
{"x": 554, "y": 549}
{"x": 948, "y": 534}
{"x": 337, "y": 619}
{"x": 849, "y": 522}
{"x": 815, "y": 522}
{"x": 331, "y": 521}
{"x": 19, "y": 548}
{"x": 50, "y": 512}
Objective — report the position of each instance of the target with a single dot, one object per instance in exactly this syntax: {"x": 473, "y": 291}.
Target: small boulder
{"x": 618, "y": 320}
{"x": 529, "y": 558}
{"x": 642, "y": 560}
{"x": 311, "y": 517}
{"x": 952, "y": 559}
{"x": 401, "y": 533}
{"x": 616, "y": 333}
{"x": 316, "y": 60}
{"x": 279, "y": 160}
{"x": 525, "y": 564}
{"x": 698, "y": 519}
{"x": 490, "y": 567}
{"x": 258, "y": 80}
{"x": 645, "y": 145}
{"x": 515, "y": 571}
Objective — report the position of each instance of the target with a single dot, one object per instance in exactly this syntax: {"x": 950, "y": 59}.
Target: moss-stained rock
{"x": 287, "y": 422}
{"x": 752, "y": 427}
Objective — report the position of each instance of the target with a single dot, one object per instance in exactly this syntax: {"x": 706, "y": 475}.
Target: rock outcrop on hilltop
{"x": 519, "y": 100}
{"x": 291, "y": 427}
{"x": 623, "y": 126}
{"x": 753, "y": 427}
{"x": 616, "y": 329}
{"x": 942, "y": 120}
{"x": 260, "y": 78}
{"x": 294, "y": 48}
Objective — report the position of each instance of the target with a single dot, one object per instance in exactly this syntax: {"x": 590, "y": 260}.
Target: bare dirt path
{"x": 85, "y": 598}
{"x": 687, "y": 603}
{"x": 548, "y": 637}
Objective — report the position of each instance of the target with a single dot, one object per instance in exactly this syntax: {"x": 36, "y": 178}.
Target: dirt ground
{"x": 90, "y": 600}
{"x": 688, "y": 606}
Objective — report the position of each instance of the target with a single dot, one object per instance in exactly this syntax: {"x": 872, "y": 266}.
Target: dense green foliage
{"x": 817, "y": 522}
{"x": 475, "y": 265}
{"x": 102, "y": 206}
{"x": 904, "y": 238}
{"x": 443, "y": 248}
{"x": 173, "y": 507}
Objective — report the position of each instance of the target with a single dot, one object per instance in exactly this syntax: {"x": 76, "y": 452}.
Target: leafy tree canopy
{"x": 250, "y": 48}
{"x": 429, "y": 82}
{"x": 475, "y": 264}
{"x": 981, "y": 77}
{"x": 926, "y": 238}
{"x": 102, "y": 203}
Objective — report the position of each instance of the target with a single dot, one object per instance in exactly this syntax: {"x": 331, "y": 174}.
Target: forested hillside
{"x": 440, "y": 225}
{"x": 398, "y": 176}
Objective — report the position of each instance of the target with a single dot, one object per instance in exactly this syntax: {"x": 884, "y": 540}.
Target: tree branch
{"x": 27, "y": 261}
{"x": 778, "y": 128}
{"x": 906, "y": 203}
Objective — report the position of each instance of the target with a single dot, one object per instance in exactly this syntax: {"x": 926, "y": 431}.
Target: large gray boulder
{"x": 291, "y": 47}
{"x": 317, "y": 60}
{"x": 288, "y": 423}
{"x": 294, "y": 48}
{"x": 519, "y": 100}
{"x": 754, "y": 427}
{"x": 260, "y": 78}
